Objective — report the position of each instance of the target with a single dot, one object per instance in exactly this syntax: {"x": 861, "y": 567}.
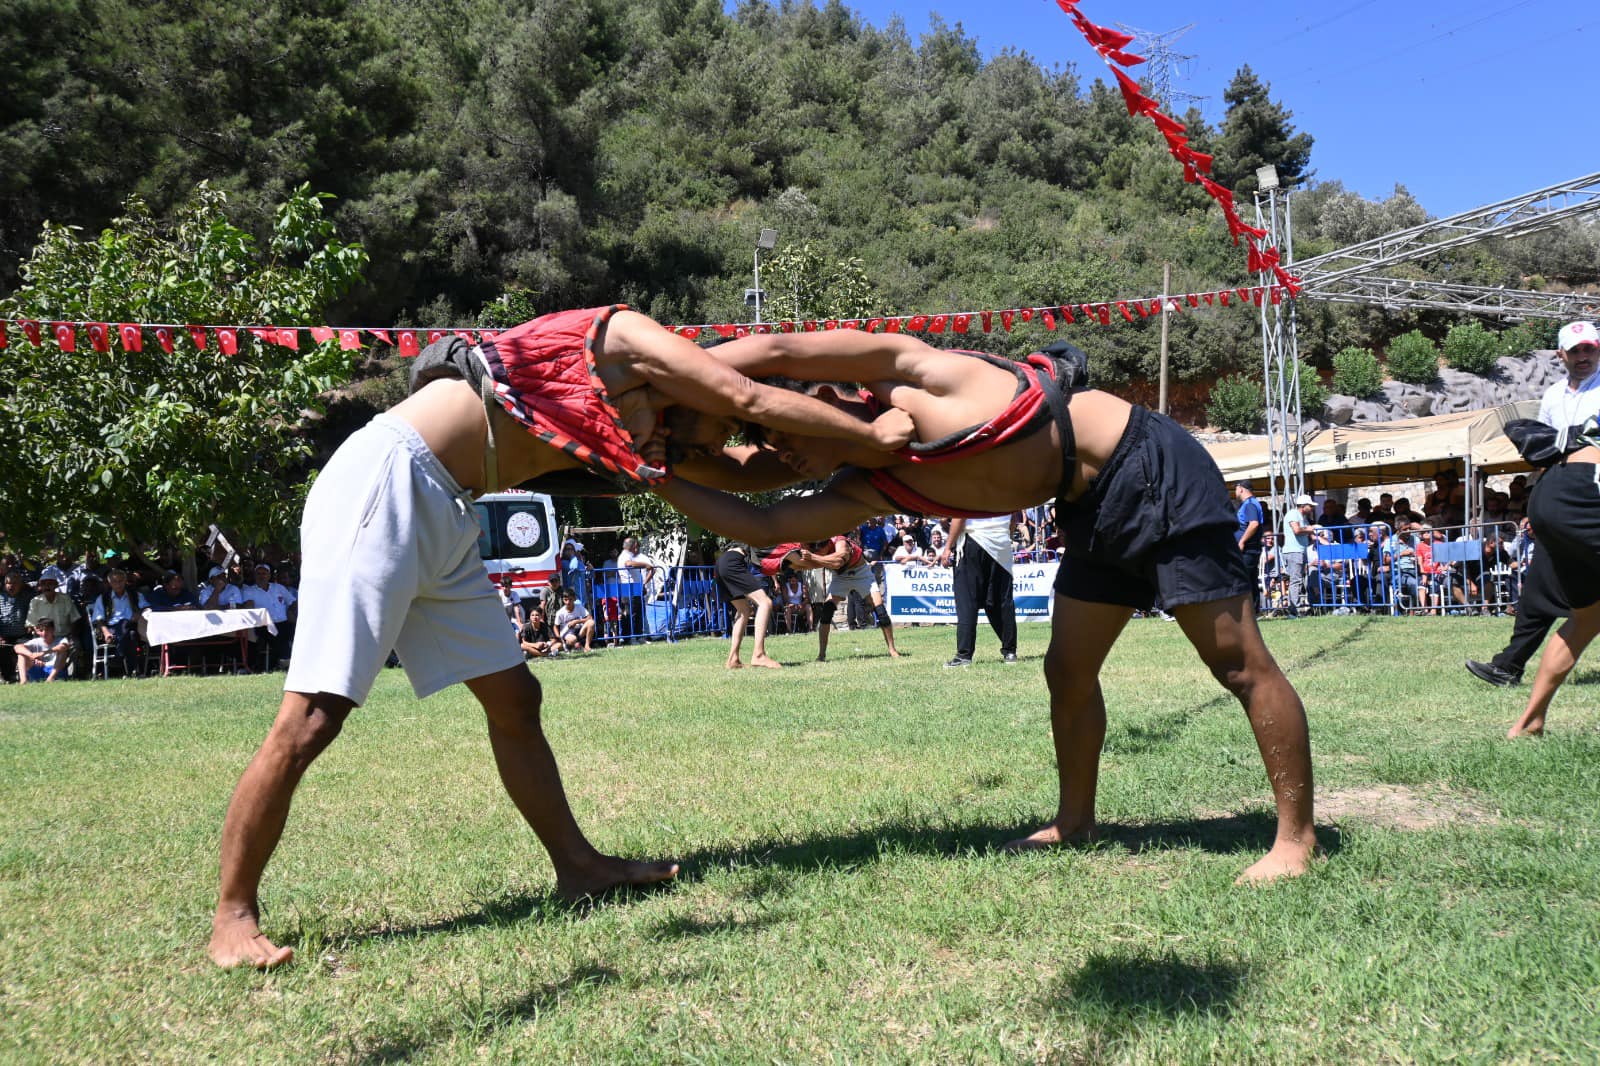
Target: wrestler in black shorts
{"x": 1155, "y": 521}
{"x": 736, "y": 577}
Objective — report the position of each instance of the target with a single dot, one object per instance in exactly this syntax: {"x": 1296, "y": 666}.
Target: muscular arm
{"x": 835, "y": 355}
{"x": 740, "y": 468}
{"x": 843, "y": 504}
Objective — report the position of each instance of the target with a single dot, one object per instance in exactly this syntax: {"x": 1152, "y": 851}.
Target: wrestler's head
{"x": 692, "y": 431}
{"x": 810, "y": 456}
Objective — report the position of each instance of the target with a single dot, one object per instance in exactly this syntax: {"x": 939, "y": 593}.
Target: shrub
{"x": 1356, "y": 373}
{"x": 1313, "y": 393}
{"x": 1527, "y": 337}
{"x": 1471, "y": 348}
{"x": 1237, "y": 404}
{"x": 1413, "y": 358}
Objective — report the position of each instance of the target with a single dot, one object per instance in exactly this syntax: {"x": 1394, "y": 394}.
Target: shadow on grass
{"x": 475, "y": 1016}
{"x": 1119, "y": 994}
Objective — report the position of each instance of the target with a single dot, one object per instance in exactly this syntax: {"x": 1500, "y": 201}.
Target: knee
{"x": 517, "y": 710}
{"x": 303, "y": 736}
{"x": 1068, "y": 684}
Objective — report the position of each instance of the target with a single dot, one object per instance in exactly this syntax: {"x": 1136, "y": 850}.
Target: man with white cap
{"x": 219, "y": 593}
{"x": 1296, "y": 538}
{"x": 55, "y": 605}
{"x": 1570, "y": 402}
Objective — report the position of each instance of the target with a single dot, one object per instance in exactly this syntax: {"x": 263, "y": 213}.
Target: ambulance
{"x": 517, "y": 535}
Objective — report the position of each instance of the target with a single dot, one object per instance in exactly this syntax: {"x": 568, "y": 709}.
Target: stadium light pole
{"x": 767, "y": 240}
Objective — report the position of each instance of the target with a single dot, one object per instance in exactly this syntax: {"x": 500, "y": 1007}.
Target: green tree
{"x": 1237, "y": 404}
{"x": 803, "y": 281}
{"x": 1470, "y": 347}
{"x": 1256, "y": 131}
{"x": 132, "y": 447}
{"x": 1413, "y": 358}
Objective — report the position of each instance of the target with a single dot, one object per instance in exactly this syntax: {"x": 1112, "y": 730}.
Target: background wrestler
{"x": 411, "y": 465}
{"x": 848, "y": 571}
{"x": 1114, "y": 562}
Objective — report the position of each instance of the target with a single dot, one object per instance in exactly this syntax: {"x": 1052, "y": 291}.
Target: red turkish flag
{"x": 1127, "y": 59}
{"x": 689, "y": 331}
{"x": 349, "y": 340}
{"x": 381, "y": 334}
{"x": 100, "y": 336}
{"x": 289, "y": 338}
{"x": 1123, "y": 307}
{"x": 1103, "y": 313}
{"x": 3, "y": 341}
{"x": 467, "y": 335}
{"x": 264, "y": 336}
{"x": 1277, "y": 294}
{"x": 1169, "y": 126}
{"x": 740, "y": 331}
{"x": 66, "y": 336}
{"x": 763, "y": 327}
{"x": 1194, "y": 301}
{"x": 936, "y": 324}
{"x": 1006, "y": 319}
{"x": 832, "y": 323}
{"x": 808, "y": 326}
{"x": 873, "y": 324}
{"x": 485, "y": 336}
{"x": 962, "y": 322}
{"x": 1244, "y": 294}
{"x": 321, "y": 334}
{"x": 1256, "y": 294}
{"x": 164, "y": 338}
{"x": 892, "y": 325}
{"x": 1138, "y": 103}
{"x": 1144, "y": 311}
{"x": 988, "y": 321}
{"x": 434, "y": 335}
{"x": 724, "y": 330}
{"x": 1027, "y": 314}
{"x": 198, "y": 335}
{"x": 408, "y": 343}
{"x": 227, "y": 340}
{"x": 917, "y": 323}
{"x": 1224, "y": 296}
{"x": 850, "y": 323}
{"x": 1207, "y": 297}
{"x": 131, "y": 336}
{"x": 30, "y": 330}
{"x": 1049, "y": 319}
{"x": 1066, "y": 313}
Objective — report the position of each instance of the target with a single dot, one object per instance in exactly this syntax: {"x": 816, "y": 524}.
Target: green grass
{"x": 842, "y": 898}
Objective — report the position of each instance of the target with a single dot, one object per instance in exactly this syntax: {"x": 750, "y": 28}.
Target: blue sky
{"x": 1463, "y": 103}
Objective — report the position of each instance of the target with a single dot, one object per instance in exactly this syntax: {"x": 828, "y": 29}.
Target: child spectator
{"x": 574, "y": 624}
{"x": 43, "y": 658}
{"x": 536, "y": 638}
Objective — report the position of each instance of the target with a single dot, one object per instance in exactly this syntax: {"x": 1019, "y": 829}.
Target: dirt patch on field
{"x": 1402, "y": 807}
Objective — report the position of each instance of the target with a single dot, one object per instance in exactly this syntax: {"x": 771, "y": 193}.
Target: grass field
{"x": 842, "y": 897}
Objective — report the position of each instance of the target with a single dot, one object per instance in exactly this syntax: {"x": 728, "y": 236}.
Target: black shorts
{"x": 736, "y": 578}
{"x": 1565, "y": 512}
{"x": 1156, "y": 522}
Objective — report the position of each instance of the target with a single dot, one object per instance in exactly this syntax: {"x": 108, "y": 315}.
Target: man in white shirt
{"x": 115, "y": 615}
{"x": 219, "y": 594}
{"x": 574, "y": 624}
{"x": 982, "y": 551}
{"x": 634, "y": 569}
{"x": 1576, "y": 399}
{"x": 278, "y": 602}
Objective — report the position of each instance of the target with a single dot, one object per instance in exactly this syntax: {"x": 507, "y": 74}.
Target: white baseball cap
{"x": 1305, "y": 501}
{"x": 1575, "y": 333}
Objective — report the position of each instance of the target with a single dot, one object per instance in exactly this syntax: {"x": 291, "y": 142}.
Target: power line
{"x": 1162, "y": 63}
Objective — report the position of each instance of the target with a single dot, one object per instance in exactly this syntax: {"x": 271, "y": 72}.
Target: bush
{"x": 1471, "y": 348}
{"x": 1313, "y": 393}
{"x": 1237, "y": 404}
{"x": 1356, "y": 373}
{"x": 1413, "y": 358}
{"x": 1526, "y": 337}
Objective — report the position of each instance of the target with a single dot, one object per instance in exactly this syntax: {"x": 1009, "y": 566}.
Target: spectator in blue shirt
{"x": 115, "y": 615}
{"x": 1252, "y": 523}
{"x": 874, "y": 538}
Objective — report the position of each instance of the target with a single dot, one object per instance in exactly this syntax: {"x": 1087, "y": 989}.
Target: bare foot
{"x": 893, "y": 654}
{"x": 604, "y": 873}
{"x": 239, "y": 941}
{"x": 1532, "y": 728}
{"x": 822, "y": 658}
{"x": 734, "y": 664}
{"x": 1284, "y": 860}
{"x": 1052, "y": 837}
{"x": 766, "y": 661}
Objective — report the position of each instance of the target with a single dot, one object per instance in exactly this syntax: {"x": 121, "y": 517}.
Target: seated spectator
{"x": 218, "y": 594}
{"x": 1332, "y": 515}
{"x": 574, "y": 625}
{"x": 116, "y": 615}
{"x": 43, "y": 657}
{"x": 936, "y": 540}
{"x": 1384, "y": 512}
{"x": 1406, "y": 565}
{"x": 14, "y": 597}
{"x": 908, "y": 553}
{"x": 57, "y": 606}
{"x": 1403, "y": 514}
{"x": 279, "y": 603}
{"x": 536, "y": 637}
{"x": 172, "y": 594}
{"x": 795, "y": 608}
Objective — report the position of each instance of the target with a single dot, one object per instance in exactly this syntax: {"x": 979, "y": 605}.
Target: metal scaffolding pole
{"x": 1280, "y": 360}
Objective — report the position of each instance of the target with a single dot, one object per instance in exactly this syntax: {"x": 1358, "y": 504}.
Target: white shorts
{"x": 391, "y": 562}
{"x": 857, "y": 580}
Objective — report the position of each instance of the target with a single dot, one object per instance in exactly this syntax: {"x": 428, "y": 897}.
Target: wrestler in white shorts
{"x": 391, "y": 562}
{"x": 857, "y": 579}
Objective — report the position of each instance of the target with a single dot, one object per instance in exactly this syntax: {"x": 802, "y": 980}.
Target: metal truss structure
{"x": 1280, "y": 366}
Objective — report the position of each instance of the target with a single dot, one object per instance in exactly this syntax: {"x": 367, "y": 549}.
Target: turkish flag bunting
{"x": 891, "y": 325}
{"x": 289, "y": 338}
{"x": 1049, "y": 319}
{"x": 1103, "y": 313}
{"x": 227, "y": 340}
{"x": 740, "y": 331}
{"x": 1244, "y": 293}
{"x": 100, "y": 336}
{"x": 1207, "y": 297}
{"x": 66, "y": 336}
{"x": 808, "y": 326}
{"x": 1144, "y": 311}
{"x": 349, "y": 340}
{"x": 265, "y": 336}
{"x": 1103, "y": 36}
{"x": 1201, "y": 160}
{"x": 409, "y": 346}
{"x": 1006, "y": 319}
{"x": 850, "y": 323}
{"x": 164, "y": 338}
{"x": 1277, "y": 294}
{"x": 917, "y": 323}
{"x": 1255, "y": 295}
{"x": 936, "y": 324}
{"x": 1066, "y": 313}
{"x": 198, "y": 335}
{"x": 487, "y": 336}
{"x": 761, "y": 327}
{"x": 1123, "y": 307}
{"x": 1132, "y": 95}
{"x": 131, "y": 336}
{"x": 467, "y": 335}
{"x": 321, "y": 334}
{"x": 381, "y": 334}
{"x": 1069, "y": 6}
{"x": 988, "y": 321}
{"x": 873, "y": 324}
{"x": 1223, "y": 296}
{"x": 725, "y": 330}
{"x": 30, "y": 330}
{"x": 1169, "y": 126}
{"x": 434, "y": 335}
{"x": 786, "y": 327}
{"x": 832, "y": 323}
{"x": 961, "y": 323}
{"x": 1027, "y": 314}
{"x": 1127, "y": 59}
{"x": 3, "y": 341}
{"x": 690, "y": 331}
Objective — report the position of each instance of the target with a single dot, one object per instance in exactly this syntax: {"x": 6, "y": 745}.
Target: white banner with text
{"x": 925, "y": 594}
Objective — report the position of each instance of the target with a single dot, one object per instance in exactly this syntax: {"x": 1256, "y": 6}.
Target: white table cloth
{"x": 170, "y": 627}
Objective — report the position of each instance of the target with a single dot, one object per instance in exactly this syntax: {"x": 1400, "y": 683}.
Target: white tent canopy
{"x": 1374, "y": 452}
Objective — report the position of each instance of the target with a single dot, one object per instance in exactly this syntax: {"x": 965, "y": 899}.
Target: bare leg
{"x": 1081, "y": 636}
{"x": 305, "y": 726}
{"x": 888, "y": 630}
{"x": 1225, "y": 634}
{"x": 741, "y": 618}
{"x": 511, "y": 700}
{"x": 763, "y": 619}
{"x": 1560, "y": 656}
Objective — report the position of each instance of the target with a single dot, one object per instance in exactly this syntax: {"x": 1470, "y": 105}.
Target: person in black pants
{"x": 981, "y": 579}
{"x": 1252, "y": 523}
{"x": 1540, "y": 606}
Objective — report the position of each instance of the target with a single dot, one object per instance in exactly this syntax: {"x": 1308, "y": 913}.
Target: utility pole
{"x": 1166, "y": 309}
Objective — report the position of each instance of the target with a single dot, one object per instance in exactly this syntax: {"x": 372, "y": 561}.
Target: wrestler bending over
{"x": 396, "y": 566}
{"x": 1142, "y": 507}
